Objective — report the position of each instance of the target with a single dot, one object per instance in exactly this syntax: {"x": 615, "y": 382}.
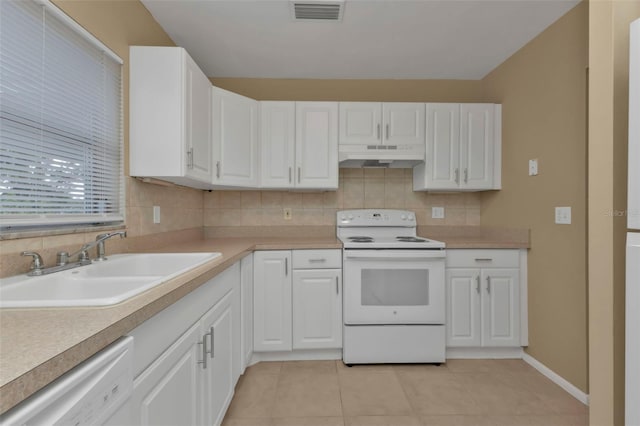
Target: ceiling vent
{"x": 310, "y": 10}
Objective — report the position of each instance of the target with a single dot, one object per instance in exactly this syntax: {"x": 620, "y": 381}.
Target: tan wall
{"x": 608, "y": 121}
{"x": 543, "y": 92}
{"x": 359, "y": 188}
{"x": 118, "y": 24}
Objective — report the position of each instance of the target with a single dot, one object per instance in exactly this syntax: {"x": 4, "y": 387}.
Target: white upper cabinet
{"x": 316, "y": 145}
{"x": 389, "y": 123}
{"x": 298, "y": 145}
{"x": 277, "y": 144}
{"x": 170, "y": 117}
{"x": 463, "y": 150}
{"x": 235, "y": 139}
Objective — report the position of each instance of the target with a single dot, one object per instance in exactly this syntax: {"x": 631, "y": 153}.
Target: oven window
{"x": 395, "y": 287}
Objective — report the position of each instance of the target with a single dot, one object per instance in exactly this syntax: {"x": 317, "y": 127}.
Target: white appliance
{"x": 94, "y": 393}
{"x": 388, "y": 156}
{"x": 632, "y": 355}
{"x": 394, "y": 289}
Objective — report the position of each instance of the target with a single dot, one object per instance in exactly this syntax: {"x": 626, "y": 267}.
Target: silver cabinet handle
{"x": 489, "y": 285}
{"x": 289, "y": 174}
{"x": 483, "y": 259}
{"x": 190, "y": 158}
{"x": 299, "y": 174}
{"x": 204, "y": 352}
{"x": 457, "y": 172}
{"x": 211, "y": 334}
{"x": 387, "y": 131}
{"x": 318, "y": 260}
{"x": 218, "y": 170}
{"x": 337, "y": 286}
{"x": 286, "y": 266}
{"x": 466, "y": 175}
{"x": 378, "y": 130}
{"x": 478, "y": 284}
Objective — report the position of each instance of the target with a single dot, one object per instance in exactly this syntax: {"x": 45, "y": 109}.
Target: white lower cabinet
{"x": 297, "y": 300}
{"x": 272, "y": 301}
{"x": 317, "y": 308}
{"x": 486, "y": 298}
{"x": 168, "y": 392}
{"x": 246, "y": 299}
{"x": 188, "y": 356}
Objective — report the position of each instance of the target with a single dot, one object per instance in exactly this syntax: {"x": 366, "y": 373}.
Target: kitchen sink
{"x": 101, "y": 283}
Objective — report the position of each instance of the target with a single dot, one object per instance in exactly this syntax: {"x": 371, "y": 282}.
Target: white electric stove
{"x": 394, "y": 290}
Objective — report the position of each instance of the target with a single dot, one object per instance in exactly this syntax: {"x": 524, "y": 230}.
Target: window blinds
{"x": 60, "y": 121}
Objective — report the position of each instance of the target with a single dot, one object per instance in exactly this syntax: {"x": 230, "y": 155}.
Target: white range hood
{"x": 388, "y": 156}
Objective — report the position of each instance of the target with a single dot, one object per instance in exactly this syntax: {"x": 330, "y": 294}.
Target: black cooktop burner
{"x": 411, "y": 239}
{"x": 361, "y": 239}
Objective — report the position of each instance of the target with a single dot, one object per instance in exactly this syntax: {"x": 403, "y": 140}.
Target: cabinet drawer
{"x": 473, "y": 258}
{"x": 317, "y": 259}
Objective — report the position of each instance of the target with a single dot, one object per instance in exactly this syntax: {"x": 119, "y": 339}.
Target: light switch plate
{"x": 563, "y": 215}
{"x": 437, "y": 212}
{"x": 156, "y": 214}
{"x": 533, "y": 167}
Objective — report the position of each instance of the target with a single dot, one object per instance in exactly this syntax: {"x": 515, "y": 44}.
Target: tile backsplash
{"x": 358, "y": 188}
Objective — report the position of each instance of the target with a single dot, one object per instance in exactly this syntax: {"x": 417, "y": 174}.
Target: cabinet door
{"x": 360, "y": 123}
{"x": 476, "y": 146}
{"x": 168, "y": 391}
{"x": 198, "y": 123}
{"x": 246, "y": 283}
{"x": 403, "y": 123}
{"x": 442, "y": 170}
{"x": 218, "y": 373}
{"x": 500, "y": 307}
{"x": 316, "y": 145}
{"x": 463, "y": 307}
{"x": 317, "y": 309}
{"x": 277, "y": 144}
{"x": 235, "y": 141}
{"x": 272, "y": 301}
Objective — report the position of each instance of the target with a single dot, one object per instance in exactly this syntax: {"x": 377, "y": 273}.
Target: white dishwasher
{"x": 93, "y": 393}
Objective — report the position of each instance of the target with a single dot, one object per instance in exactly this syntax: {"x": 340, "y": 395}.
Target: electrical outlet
{"x": 437, "y": 212}
{"x": 533, "y": 167}
{"x": 563, "y": 215}
{"x": 156, "y": 214}
{"x": 287, "y": 213}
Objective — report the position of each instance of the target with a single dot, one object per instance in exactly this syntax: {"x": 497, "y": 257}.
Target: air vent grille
{"x": 317, "y": 11}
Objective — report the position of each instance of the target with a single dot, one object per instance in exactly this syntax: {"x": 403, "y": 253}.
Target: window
{"x": 60, "y": 121}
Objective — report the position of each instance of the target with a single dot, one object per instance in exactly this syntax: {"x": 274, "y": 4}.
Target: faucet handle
{"x": 37, "y": 264}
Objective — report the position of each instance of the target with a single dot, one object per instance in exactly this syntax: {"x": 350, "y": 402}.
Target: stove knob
{"x": 403, "y": 217}
{"x": 412, "y": 218}
{"x": 350, "y": 217}
{"x": 343, "y": 217}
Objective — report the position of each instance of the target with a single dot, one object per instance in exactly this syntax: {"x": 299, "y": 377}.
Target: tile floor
{"x": 460, "y": 393}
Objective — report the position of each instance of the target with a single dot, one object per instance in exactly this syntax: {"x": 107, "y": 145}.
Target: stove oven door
{"x": 394, "y": 286}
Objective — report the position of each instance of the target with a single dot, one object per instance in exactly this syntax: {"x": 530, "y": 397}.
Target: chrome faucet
{"x": 83, "y": 254}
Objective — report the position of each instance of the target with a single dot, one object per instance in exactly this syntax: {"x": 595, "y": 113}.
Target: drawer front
{"x": 317, "y": 259}
{"x": 475, "y": 258}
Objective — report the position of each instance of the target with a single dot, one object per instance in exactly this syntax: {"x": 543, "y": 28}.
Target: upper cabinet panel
{"x": 463, "y": 148}
{"x": 403, "y": 123}
{"x": 235, "y": 139}
{"x": 277, "y": 144}
{"x": 170, "y": 117}
{"x": 360, "y": 123}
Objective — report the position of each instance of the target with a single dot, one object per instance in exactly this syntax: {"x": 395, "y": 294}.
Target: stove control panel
{"x": 381, "y": 217}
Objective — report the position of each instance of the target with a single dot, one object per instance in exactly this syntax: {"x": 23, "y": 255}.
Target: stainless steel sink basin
{"x": 99, "y": 284}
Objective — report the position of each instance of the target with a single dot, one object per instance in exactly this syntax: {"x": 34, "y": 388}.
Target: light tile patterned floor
{"x": 458, "y": 393}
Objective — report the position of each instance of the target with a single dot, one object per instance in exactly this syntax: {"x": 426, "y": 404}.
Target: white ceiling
{"x": 386, "y": 39}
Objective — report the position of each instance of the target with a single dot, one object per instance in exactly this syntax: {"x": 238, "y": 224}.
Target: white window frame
{"x": 16, "y": 221}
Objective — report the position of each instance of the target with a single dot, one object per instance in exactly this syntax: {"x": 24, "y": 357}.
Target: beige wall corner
{"x": 542, "y": 88}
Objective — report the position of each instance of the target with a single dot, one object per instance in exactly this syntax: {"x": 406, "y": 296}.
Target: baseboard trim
{"x": 556, "y": 378}
{"x": 297, "y": 355}
{"x": 484, "y": 353}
